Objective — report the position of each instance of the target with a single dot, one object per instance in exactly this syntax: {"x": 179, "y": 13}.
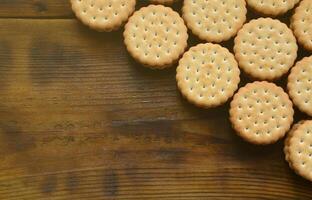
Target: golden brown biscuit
{"x": 102, "y": 15}
{"x": 301, "y": 23}
{"x": 261, "y": 112}
{"x": 300, "y": 85}
{"x": 156, "y": 36}
{"x": 299, "y": 150}
{"x": 286, "y": 142}
{"x": 265, "y": 49}
{"x": 214, "y": 20}
{"x": 207, "y": 75}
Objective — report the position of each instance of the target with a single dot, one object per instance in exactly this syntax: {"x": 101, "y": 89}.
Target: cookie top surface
{"x": 301, "y": 24}
{"x": 300, "y": 85}
{"x": 272, "y": 7}
{"x": 156, "y": 36}
{"x": 300, "y": 149}
{"x": 207, "y": 75}
{"x": 261, "y": 112}
{"x": 265, "y": 48}
{"x": 103, "y": 15}
{"x": 214, "y": 20}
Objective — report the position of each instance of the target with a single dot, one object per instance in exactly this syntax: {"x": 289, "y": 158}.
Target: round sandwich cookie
{"x": 165, "y": 2}
{"x": 261, "y": 112}
{"x": 207, "y": 75}
{"x": 298, "y": 149}
{"x": 300, "y": 85}
{"x": 286, "y": 142}
{"x": 301, "y": 23}
{"x": 156, "y": 36}
{"x": 265, "y": 49}
{"x": 214, "y": 20}
{"x": 107, "y": 15}
{"x": 272, "y": 7}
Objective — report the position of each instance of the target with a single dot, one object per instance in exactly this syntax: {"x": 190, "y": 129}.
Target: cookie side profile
{"x": 286, "y": 142}
{"x": 103, "y": 15}
{"x": 261, "y": 112}
{"x": 156, "y": 36}
{"x": 301, "y": 23}
{"x": 299, "y": 149}
{"x": 300, "y": 85}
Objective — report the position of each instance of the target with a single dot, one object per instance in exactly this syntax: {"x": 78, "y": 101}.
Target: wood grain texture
{"x": 35, "y": 9}
{"x": 79, "y": 119}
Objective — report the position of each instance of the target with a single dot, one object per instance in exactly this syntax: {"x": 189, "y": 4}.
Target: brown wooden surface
{"x": 79, "y": 119}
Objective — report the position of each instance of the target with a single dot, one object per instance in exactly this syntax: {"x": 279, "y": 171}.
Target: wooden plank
{"x": 35, "y": 9}
{"x": 80, "y": 119}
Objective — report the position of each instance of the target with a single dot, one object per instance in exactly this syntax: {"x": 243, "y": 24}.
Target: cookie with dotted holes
{"x": 102, "y": 15}
{"x": 286, "y": 142}
{"x": 156, "y": 36}
{"x": 301, "y": 23}
{"x": 214, "y": 20}
{"x": 299, "y": 149}
{"x": 300, "y": 85}
{"x": 207, "y": 75}
{"x": 265, "y": 48}
{"x": 272, "y": 7}
{"x": 165, "y": 2}
{"x": 261, "y": 112}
